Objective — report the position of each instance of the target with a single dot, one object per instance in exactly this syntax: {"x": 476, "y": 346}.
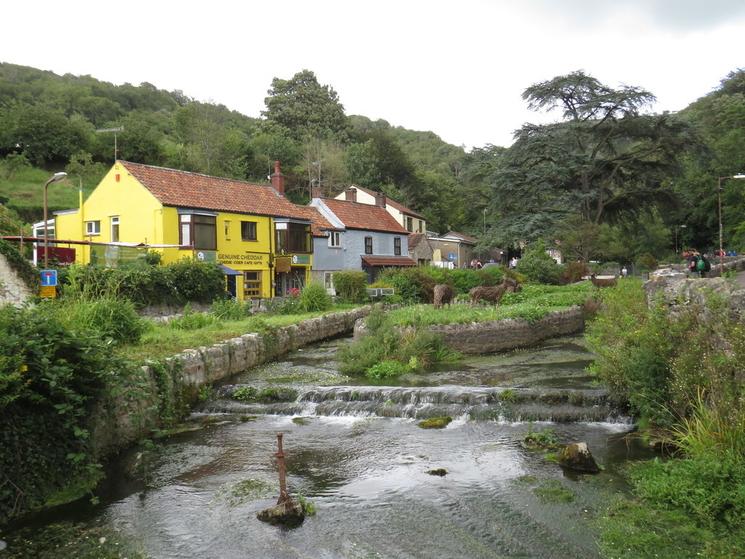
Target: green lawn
{"x": 163, "y": 340}
{"x": 532, "y": 303}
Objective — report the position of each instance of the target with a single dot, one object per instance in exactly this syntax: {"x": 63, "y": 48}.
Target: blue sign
{"x": 49, "y": 278}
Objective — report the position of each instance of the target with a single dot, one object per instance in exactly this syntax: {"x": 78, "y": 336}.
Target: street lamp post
{"x": 739, "y": 176}
{"x": 54, "y": 178}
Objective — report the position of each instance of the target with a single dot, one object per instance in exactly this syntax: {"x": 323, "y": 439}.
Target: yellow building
{"x": 260, "y": 238}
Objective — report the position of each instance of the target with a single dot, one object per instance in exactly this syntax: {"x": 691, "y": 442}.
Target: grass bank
{"x": 163, "y": 340}
{"x": 681, "y": 376}
{"x": 532, "y": 303}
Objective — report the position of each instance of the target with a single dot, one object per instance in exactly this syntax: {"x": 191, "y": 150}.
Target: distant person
{"x": 479, "y": 265}
{"x": 703, "y": 266}
{"x": 692, "y": 261}
{"x": 624, "y": 272}
{"x": 513, "y": 263}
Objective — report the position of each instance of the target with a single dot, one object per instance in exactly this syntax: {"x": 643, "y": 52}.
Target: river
{"x": 356, "y": 452}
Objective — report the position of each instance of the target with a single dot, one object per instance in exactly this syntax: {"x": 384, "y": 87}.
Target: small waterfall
{"x": 476, "y": 403}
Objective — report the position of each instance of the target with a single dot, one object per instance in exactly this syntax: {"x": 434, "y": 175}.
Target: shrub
{"x": 50, "y": 378}
{"x": 413, "y": 349}
{"x": 173, "y": 284}
{"x": 106, "y": 317}
{"x": 314, "y": 298}
{"x": 230, "y": 309}
{"x": 386, "y": 369}
{"x": 413, "y": 285}
{"x": 350, "y": 286}
{"x": 538, "y": 266}
{"x": 191, "y": 320}
{"x": 574, "y": 272}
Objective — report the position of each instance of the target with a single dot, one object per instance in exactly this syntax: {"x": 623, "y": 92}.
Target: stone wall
{"x": 125, "y": 418}
{"x": 501, "y": 335}
{"x": 13, "y": 290}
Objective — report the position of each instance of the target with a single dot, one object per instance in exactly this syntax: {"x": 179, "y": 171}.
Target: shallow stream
{"x": 355, "y": 450}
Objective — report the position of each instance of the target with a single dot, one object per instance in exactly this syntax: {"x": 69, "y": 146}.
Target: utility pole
{"x": 115, "y": 131}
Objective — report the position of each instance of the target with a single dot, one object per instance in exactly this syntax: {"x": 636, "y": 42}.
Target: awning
{"x": 388, "y": 261}
{"x": 228, "y": 271}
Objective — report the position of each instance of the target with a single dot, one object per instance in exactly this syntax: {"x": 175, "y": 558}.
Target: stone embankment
{"x": 169, "y": 387}
{"x": 503, "y": 335}
{"x": 13, "y": 290}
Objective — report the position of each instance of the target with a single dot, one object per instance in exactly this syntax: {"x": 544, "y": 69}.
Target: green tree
{"x": 305, "y": 108}
{"x": 604, "y": 158}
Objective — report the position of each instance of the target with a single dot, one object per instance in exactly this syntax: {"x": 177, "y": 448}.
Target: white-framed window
{"x": 397, "y": 246}
{"x": 334, "y": 239}
{"x": 114, "y": 228}
{"x": 93, "y": 227}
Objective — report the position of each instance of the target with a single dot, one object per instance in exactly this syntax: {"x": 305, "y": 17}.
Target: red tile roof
{"x": 355, "y": 215}
{"x": 388, "y": 261}
{"x": 318, "y": 224}
{"x": 194, "y": 190}
{"x": 393, "y": 203}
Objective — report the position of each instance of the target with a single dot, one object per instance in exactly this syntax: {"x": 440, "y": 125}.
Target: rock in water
{"x": 577, "y": 457}
{"x": 438, "y": 472}
{"x": 288, "y": 514}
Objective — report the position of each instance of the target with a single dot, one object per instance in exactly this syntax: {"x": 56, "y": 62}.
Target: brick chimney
{"x": 380, "y": 199}
{"x": 278, "y": 179}
{"x": 350, "y": 194}
{"x": 315, "y": 191}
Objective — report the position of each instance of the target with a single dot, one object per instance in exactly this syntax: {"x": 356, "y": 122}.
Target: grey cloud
{"x": 684, "y": 15}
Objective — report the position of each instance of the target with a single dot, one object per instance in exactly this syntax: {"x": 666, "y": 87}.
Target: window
{"x": 115, "y": 229}
{"x": 368, "y": 245}
{"x": 226, "y": 226}
{"x": 252, "y": 284}
{"x": 409, "y": 224}
{"x": 293, "y": 237}
{"x": 92, "y": 227}
{"x": 198, "y": 231}
{"x": 334, "y": 239}
{"x": 248, "y": 230}
{"x": 397, "y": 246}
{"x": 421, "y": 226}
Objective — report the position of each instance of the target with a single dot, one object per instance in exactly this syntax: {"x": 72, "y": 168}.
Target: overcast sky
{"x": 457, "y": 68}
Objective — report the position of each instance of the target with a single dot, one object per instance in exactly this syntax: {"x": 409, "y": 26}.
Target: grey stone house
{"x": 360, "y": 237}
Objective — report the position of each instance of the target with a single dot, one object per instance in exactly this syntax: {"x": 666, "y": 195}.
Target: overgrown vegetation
{"x": 21, "y": 266}
{"x": 416, "y": 285}
{"x": 681, "y": 375}
{"x": 50, "y": 378}
{"x": 350, "y": 286}
{"x": 178, "y": 283}
{"x": 385, "y": 351}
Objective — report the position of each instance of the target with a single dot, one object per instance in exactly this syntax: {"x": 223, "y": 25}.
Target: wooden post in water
{"x": 286, "y": 512}
{"x": 283, "y": 496}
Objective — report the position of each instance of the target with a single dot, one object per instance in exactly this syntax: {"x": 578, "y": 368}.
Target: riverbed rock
{"x": 435, "y": 422}
{"x": 441, "y": 472}
{"x": 288, "y": 514}
{"x": 577, "y": 457}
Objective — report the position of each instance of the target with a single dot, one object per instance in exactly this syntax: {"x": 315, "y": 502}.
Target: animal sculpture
{"x": 603, "y": 282}
{"x": 494, "y": 294}
{"x": 443, "y": 295}
{"x": 483, "y": 293}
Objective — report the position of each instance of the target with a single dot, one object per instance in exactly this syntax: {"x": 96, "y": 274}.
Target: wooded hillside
{"x": 610, "y": 180}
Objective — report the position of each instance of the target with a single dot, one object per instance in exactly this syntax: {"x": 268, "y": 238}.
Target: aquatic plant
{"x": 435, "y": 422}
